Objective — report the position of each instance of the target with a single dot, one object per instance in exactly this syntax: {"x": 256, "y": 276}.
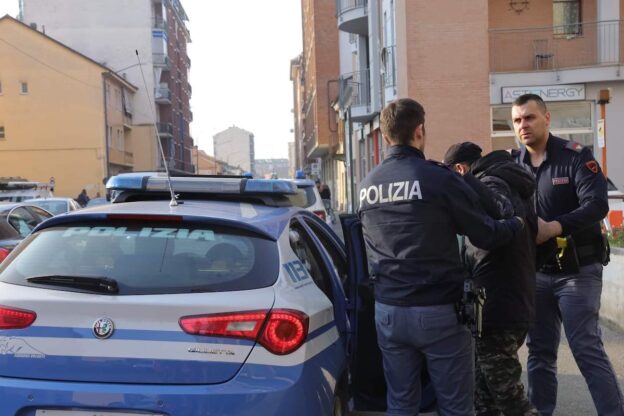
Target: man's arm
{"x": 494, "y": 196}
{"x": 470, "y": 219}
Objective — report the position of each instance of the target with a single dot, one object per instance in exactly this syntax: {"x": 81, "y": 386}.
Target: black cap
{"x": 466, "y": 152}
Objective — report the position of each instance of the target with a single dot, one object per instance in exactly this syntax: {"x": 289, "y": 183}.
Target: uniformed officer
{"x": 571, "y": 202}
{"x": 411, "y": 210}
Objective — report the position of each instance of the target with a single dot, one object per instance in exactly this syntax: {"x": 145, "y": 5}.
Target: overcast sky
{"x": 240, "y": 72}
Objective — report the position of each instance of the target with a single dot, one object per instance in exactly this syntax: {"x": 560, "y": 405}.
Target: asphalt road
{"x": 573, "y": 398}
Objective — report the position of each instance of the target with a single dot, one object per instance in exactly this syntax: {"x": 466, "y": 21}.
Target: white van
{"x": 18, "y": 190}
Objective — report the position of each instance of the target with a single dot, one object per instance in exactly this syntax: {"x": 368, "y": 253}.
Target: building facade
{"x": 64, "y": 118}
{"x": 110, "y": 32}
{"x": 466, "y": 62}
{"x": 235, "y": 147}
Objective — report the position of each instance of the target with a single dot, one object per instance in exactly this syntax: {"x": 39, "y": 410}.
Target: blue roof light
{"x": 156, "y": 182}
{"x": 271, "y": 186}
{"x": 299, "y": 174}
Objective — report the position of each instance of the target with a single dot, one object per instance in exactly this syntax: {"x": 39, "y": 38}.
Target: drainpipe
{"x": 106, "y": 155}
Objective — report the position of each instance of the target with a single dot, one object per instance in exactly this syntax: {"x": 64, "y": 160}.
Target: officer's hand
{"x": 547, "y": 230}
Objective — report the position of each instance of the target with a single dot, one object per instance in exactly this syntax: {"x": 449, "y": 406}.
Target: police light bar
{"x": 158, "y": 182}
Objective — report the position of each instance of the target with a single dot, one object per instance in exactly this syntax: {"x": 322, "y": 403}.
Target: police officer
{"x": 411, "y": 210}
{"x": 571, "y": 202}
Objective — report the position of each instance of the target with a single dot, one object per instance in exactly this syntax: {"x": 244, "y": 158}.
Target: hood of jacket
{"x": 500, "y": 164}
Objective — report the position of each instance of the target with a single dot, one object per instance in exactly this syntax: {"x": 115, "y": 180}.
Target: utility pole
{"x": 603, "y": 100}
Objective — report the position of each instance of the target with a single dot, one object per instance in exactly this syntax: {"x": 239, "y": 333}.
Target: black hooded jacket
{"x": 507, "y": 272}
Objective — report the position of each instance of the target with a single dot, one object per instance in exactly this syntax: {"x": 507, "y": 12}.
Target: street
{"x": 573, "y": 397}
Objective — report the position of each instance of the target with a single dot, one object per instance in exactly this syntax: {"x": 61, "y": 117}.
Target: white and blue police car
{"x": 231, "y": 302}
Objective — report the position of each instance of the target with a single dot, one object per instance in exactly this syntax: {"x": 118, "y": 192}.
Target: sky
{"x": 240, "y": 73}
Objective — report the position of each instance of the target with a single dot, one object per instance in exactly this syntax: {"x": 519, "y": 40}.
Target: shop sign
{"x": 569, "y": 92}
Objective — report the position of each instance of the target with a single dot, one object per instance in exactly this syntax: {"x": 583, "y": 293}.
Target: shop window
{"x": 567, "y": 17}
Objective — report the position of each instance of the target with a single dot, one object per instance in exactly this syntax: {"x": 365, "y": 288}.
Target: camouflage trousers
{"x": 498, "y": 389}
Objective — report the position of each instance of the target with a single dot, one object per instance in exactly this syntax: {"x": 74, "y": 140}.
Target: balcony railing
{"x": 389, "y": 66}
{"x": 352, "y": 16}
{"x": 162, "y": 95}
{"x": 165, "y": 129}
{"x": 355, "y": 92}
{"x": 160, "y": 60}
{"x": 159, "y": 23}
{"x": 343, "y": 6}
{"x": 557, "y": 47}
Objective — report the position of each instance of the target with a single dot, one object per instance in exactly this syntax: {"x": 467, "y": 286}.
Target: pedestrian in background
{"x": 83, "y": 198}
{"x": 411, "y": 210}
{"x": 571, "y": 202}
{"x": 507, "y": 274}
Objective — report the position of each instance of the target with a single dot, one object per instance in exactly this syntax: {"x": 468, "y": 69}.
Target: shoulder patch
{"x": 592, "y": 165}
{"x": 577, "y": 147}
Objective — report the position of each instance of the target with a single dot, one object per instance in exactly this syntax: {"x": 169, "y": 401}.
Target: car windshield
{"x": 148, "y": 258}
{"x": 53, "y": 207}
{"x": 304, "y": 198}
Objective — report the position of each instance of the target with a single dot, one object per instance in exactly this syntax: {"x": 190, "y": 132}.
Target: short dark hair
{"x": 525, "y": 98}
{"x": 400, "y": 119}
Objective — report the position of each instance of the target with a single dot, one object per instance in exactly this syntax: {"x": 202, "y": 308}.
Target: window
{"x": 2, "y": 132}
{"x": 23, "y": 221}
{"x": 23, "y": 87}
{"x": 304, "y": 249}
{"x": 337, "y": 257}
{"x": 109, "y": 136}
{"x": 0, "y": 87}
{"x": 566, "y": 17}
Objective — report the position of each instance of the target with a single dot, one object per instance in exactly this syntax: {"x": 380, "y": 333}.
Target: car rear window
{"x": 149, "y": 258}
{"x": 304, "y": 198}
{"x": 54, "y": 207}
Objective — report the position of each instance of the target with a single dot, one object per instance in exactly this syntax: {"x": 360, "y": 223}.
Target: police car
{"x": 228, "y": 302}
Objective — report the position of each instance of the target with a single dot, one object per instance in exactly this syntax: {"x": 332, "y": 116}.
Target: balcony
{"x": 355, "y": 93}
{"x": 159, "y": 23}
{"x": 188, "y": 62}
{"x": 165, "y": 129}
{"x": 161, "y": 61}
{"x": 177, "y": 166}
{"x": 352, "y": 16}
{"x": 162, "y": 95}
{"x": 190, "y": 90}
{"x": 580, "y": 45}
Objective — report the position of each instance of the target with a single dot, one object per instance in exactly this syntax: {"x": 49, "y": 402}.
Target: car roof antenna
{"x": 174, "y": 197}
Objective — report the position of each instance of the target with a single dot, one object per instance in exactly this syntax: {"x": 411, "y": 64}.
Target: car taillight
{"x": 285, "y": 331}
{"x": 4, "y": 253}
{"x": 320, "y": 214}
{"x": 281, "y": 331}
{"x": 16, "y": 318}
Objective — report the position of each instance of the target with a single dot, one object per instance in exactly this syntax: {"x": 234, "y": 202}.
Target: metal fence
{"x": 557, "y": 47}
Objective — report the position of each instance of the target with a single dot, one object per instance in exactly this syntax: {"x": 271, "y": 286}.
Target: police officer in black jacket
{"x": 507, "y": 274}
{"x": 411, "y": 210}
{"x": 571, "y": 202}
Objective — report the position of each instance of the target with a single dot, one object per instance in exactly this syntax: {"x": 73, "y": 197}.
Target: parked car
{"x": 94, "y": 202}
{"x": 18, "y": 190}
{"x": 56, "y": 206}
{"x": 308, "y": 197}
{"x": 16, "y": 222}
{"x": 616, "y": 197}
{"x": 230, "y": 302}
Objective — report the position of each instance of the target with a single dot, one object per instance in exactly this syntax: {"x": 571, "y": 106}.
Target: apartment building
{"x": 110, "y": 32}
{"x": 315, "y": 76}
{"x": 235, "y": 146}
{"x": 466, "y": 62}
{"x": 568, "y": 52}
{"x": 63, "y": 116}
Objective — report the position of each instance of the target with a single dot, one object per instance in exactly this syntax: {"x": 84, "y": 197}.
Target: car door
{"x": 367, "y": 377}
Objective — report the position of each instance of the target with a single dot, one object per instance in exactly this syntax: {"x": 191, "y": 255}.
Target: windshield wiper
{"x": 93, "y": 284}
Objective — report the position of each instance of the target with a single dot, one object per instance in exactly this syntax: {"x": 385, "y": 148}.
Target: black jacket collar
{"x": 396, "y": 150}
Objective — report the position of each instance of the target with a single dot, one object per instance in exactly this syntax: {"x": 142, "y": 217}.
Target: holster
{"x": 470, "y": 308}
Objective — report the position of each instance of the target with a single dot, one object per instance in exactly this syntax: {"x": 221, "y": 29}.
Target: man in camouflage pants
{"x": 507, "y": 274}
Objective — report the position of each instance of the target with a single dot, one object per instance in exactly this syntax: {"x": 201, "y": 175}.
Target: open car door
{"x": 368, "y": 386}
